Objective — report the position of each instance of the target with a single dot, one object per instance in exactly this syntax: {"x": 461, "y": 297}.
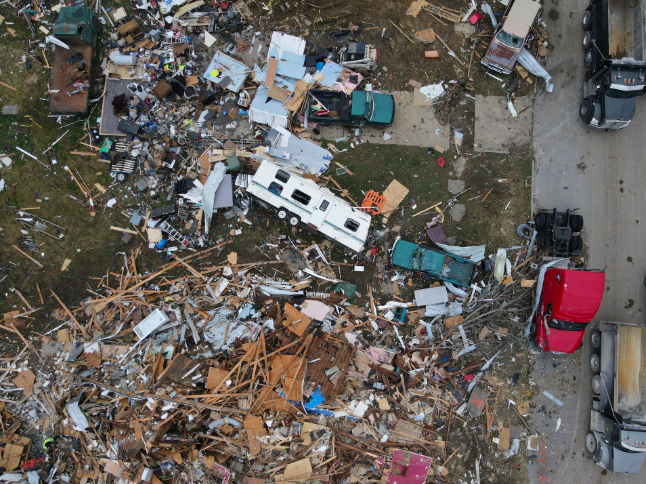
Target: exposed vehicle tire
{"x": 524, "y": 231}
{"x": 587, "y": 40}
{"x": 595, "y": 363}
{"x": 544, "y": 241}
{"x": 585, "y": 110}
{"x": 595, "y": 339}
{"x": 591, "y": 443}
{"x": 596, "y": 384}
{"x": 121, "y": 177}
{"x": 294, "y": 220}
{"x": 576, "y": 243}
{"x": 586, "y": 21}
{"x": 542, "y": 221}
{"x": 576, "y": 223}
{"x": 587, "y": 59}
{"x": 282, "y": 213}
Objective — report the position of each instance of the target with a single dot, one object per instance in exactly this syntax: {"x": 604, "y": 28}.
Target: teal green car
{"x": 434, "y": 262}
{"x": 359, "y": 109}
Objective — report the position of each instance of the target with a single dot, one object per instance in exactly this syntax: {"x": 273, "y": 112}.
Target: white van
{"x": 301, "y": 201}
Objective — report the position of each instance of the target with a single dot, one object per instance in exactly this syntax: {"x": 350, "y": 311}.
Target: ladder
{"x": 175, "y": 234}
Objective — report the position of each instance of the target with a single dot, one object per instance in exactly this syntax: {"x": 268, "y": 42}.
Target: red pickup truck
{"x": 568, "y": 301}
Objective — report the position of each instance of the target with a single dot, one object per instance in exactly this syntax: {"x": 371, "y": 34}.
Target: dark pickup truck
{"x": 434, "y": 262}
{"x": 359, "y": 109}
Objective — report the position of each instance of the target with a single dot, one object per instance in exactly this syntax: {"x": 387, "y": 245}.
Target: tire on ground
{"x": 524, "y": 231}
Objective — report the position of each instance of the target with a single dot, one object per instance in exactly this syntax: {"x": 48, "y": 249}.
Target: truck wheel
{"x": 576, "y": 223}
{"x": 294, "y": 220}
{"x": 587, "y": 59}
{"x": 544, "y": 241}
{"x": 596, "y": 384}
{"x": 591, "y": 443}
{"x": 576, "y": 243}
{"x": 586, "y": 21}
{"x": 595, "y": 339}
{"x": 587, "y": 40}
{"x": 595, "y": 363}
{"x": 585, "y": 110}
{"x": 121, "y": 177}
{"x": 282, "y": 213}
{"x": 542, "y": 221}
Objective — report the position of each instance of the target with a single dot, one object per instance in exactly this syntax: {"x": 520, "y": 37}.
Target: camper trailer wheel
{"x": 294, "y": 220}
{"x": 122, "y": 177}
{"x": 282, "y": 213}
{"x": 591, "y": 443}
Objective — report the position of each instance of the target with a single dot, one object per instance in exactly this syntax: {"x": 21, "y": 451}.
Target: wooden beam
{"x": 69, "y": 313}
{"x": 28, "y": 257}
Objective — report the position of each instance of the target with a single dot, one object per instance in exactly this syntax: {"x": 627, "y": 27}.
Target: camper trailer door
{"x": 320, "y": 212}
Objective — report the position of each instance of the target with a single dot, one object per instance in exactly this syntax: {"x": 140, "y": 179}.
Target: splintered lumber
{"x": 119, "y": 229}
{"x": 401, "y": 31}
{"x": 451, "y": 53}
{"x": 27, "y": 256}
{"x": 69, "y": 313}
{"x": 343, "y": 191}
{"x": 8, "y": 86}
{"x": 426, "y": 209}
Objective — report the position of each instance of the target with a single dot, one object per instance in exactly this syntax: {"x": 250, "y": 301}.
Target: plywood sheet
{"x": 394, "y": 195}
{"x": 271, "y": 72}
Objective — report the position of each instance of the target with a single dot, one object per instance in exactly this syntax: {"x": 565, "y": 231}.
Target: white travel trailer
{"x": 301, "y": 201}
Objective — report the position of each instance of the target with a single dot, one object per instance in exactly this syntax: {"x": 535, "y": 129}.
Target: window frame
{"x": 282, "y": 176}
{"x": 300, "y": 196}
{"x": 348, "y": 225}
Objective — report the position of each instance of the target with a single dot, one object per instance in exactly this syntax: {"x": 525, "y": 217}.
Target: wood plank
{"x": 271, "y": 72}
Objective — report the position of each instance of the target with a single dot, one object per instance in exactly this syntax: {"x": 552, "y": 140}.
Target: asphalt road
{"x": 604, "y": 175}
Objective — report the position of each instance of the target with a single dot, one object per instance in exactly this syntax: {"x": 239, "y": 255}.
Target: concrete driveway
{"x": 602, "y": 174}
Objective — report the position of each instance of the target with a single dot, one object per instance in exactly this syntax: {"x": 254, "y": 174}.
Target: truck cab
{"x": 609, "y": 102}
{"x": 569, "y": 300}
{"x": 436, "y": 263}
{"x": 614, "y": 46}
{"x": 510, "y": 36}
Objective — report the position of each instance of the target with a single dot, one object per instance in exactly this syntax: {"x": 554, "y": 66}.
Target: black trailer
{"x": 559, "y": 232}
{"x": 614, "y": 48}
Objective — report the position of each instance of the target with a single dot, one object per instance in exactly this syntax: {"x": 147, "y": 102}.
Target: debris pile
{"x": 222, "y": 373}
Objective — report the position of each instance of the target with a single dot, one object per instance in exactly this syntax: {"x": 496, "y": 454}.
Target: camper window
{"x": 301, "y": 197}
{"x": 351, "y": 224}
{"x": 324, "y": 205}
{"x": 282, "y": 176}
{"x": 275, "y": 188}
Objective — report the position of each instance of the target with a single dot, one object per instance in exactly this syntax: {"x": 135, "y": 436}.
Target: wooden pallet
{"x": 445, "y": 13}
